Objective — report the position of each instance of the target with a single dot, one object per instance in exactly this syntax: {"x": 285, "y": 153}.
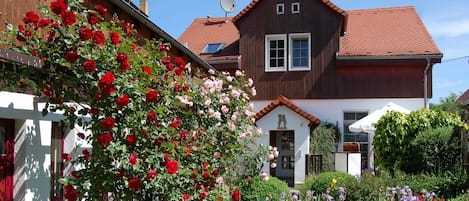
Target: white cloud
{"x": 453, "y": 28}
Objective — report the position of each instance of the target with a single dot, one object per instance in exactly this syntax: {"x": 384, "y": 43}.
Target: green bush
{"x": 325, "y": 181}
{"x": 447, "y": 185}
{"x": 258, "y": 189}
{"x": 437, "y": 150}
{"x": 323, "y": 141}
{"x": 463, "y": 197}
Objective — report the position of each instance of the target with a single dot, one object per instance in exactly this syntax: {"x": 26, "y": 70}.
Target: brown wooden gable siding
{"x": 316, "y": 18}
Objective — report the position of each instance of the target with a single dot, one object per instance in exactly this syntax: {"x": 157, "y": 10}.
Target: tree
{"x": 158, "y": 128}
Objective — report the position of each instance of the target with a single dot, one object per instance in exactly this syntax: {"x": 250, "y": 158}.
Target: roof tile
{"x": 282, "y": 100}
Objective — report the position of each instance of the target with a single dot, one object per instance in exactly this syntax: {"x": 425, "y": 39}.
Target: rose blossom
{"x": 89, "y": 65}
{"x": 122, "y": 101}
{"x": 147, "y": 70}
{"x": 115, "y": 38}
{"x": 185, "y": 197}
{"x": 47, "y": 91}
{"x": 86, "y": 154}
{"x": 58, "y": 7}
{"x": 108, "y": 123}
{"x": 151, "y": 96}
{"x": 175, "y": 123}
{"x": 93, "y": 18}
{"x": 134, "y": 184}
{"x": 101, "y": 9}
{"x": 105, "y": 139}
{"x": 273, "y": 165}
{"x": 224, "y": 109}
{"x": 132, "y": 139}
{"x": 85, "y": 33}
{"x": 71, "y": 56}
{"x": 236, "y": 195}
{"x": 68, "y": 18}
{"x": 151, "y": 116}
{"x": 133, "y": 158}
{"x": 31, "y": 17}
{"x": 125, "y": 65}
{"x": 219, "y": 180}
{"x": 151, "y": 174}
{"x": 216, "y": 155}
{"x": 172, "y": 166}
{"x": 98, "y": 37}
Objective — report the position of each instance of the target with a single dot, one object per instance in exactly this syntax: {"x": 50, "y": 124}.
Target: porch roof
{"x": 282, "y": 100}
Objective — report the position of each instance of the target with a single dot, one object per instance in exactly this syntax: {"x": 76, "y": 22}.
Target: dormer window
{"x": 280, "y": 8}
{"x": 212, "y": 48}
{"x": 295, "y": 7}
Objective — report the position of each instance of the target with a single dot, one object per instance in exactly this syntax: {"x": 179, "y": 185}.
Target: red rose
{"x": 185, "y": 197}
{"x": 70, "y": 193}
{"x": 89, "y": 65}
{"x": 215, "y": 172}
{"x": 114, "y": 37}
{"x": 172, "y": 166}
{"x": 206, "y": 175}
{"x": 127, "y": 28}
{"x": 186, "y": 88}
{"x": 94, "y": 111}
{"x": 55, "y": 24}
{"x": 203, "y": 195}
{"x": 132, "y": 139}
{"x": 151, "y": 96}
{"x": 98, "y": 37}
{"x": 85, "y": 33}
{"x": 151, "y": 174}
{"x": 122, "y": 101}
{"x": 175, "y": 123}
{"x": 177, "y": 87}
{"x": 125, "y": 65}
{"x": 93, "y": 18}
{"x": 86, "y": 154}
{"x": 107, "y": 80}
{"x": 47, "y": 91}
{"x": 66, "y": 157}
{"x": 180, "y": 62}
{"x": 68, "y": 18}
{"x": 58, "y": 7}
{"x": 31, "y": 17}
{"x": 178, "y": 71}
{"x": 109, "y": 89}
{"x": 101, "y": 9}
{"x": 121, "y": 57}
{"x": 184, "y": 134}
{"x": 134, "y": 184}
{"x": 43, "y": 23}
{"x": 236, "y": 195}
{"x": 151, "y": 116}
{"x": 147, "y": 70}
{"x": 105, "y": 139}
{"x": 108, "y": 123}
{"x": 133, "y": 158}
{"x": 71, "y": 56}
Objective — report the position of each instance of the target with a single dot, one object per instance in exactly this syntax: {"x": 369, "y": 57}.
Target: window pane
{"x": 213, "y": 47}
{"x": 281, "y": 44}
{"x": 280, "y": 62}
{"x": 273, "y": 63}
{"x": 273, "y": 44}
{"x": 281, "y": 53}
{"x": 2, "y": 140}
{"x": 273, "y": 53}
{"x": 303, "y": 61}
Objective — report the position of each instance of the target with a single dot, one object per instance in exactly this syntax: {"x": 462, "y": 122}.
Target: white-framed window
{"x": 275, "y": 52}
{"x": 299, "y": 52}
{"x": 212, "y": 48}
{"x": 280, "y": 8}
{"x": 295, "y": 7}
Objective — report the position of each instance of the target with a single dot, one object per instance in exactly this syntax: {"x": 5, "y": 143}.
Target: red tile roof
{"x": 282, "y": 100}
{"x": 464, "y": 97}
{"x": 203, "y": 31}
{"x": 392, "y": 31}
{"x": 254, "y": 2}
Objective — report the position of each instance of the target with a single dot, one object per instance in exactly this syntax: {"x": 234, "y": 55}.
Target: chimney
{"x": 144, "y": 6}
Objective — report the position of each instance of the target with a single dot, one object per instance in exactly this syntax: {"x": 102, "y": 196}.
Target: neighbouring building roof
{"x": 395, "y": 31}
{"x": 464, "y": 97}
{"x": 282, "y": 100}
{"x": 254, "y": 3}
{"x": 203, "y": 31}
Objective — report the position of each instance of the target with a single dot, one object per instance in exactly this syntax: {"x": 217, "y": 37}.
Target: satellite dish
{"x": 227, "y": 5}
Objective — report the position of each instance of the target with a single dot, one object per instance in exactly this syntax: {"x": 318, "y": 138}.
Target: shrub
{"x": 323, "y": 141}
{"x": 447, "y": 184}
{"x": 258, "y": 189}
{"x": 327, "y": 181}
{"x": 437, "y": 149}
{"x": 463, "y": 197}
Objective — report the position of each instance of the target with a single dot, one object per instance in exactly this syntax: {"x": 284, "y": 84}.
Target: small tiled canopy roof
{"x": 282, "y": 100}
{"x": 464, "y": 97}
{"x": 394, "y": 31}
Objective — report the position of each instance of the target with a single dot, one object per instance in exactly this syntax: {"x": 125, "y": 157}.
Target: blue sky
{"x": 446, "y": 20}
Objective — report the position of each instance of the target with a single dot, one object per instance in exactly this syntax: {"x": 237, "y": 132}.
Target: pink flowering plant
{"x": 159, "y": 130}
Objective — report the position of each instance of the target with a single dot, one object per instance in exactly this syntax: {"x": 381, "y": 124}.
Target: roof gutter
{"x": 226, "y": 61}
{"x": 431, "y": 56}
{"x": 126, "y": 5}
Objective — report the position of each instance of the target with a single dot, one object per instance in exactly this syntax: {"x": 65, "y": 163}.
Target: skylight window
{"x": 212, "y": 48}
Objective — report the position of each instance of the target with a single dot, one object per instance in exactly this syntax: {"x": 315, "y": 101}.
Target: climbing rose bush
{"x": 159, "y": 129}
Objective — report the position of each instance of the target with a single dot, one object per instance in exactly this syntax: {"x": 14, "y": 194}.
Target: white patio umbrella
{"x": 365, "y": 124}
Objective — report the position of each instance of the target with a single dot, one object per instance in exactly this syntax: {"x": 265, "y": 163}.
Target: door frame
{"x": 274, "y": 135}
{"x": 9, "y": 157}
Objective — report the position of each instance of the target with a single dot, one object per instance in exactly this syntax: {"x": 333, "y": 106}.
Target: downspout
{"x": 425, "y": 82}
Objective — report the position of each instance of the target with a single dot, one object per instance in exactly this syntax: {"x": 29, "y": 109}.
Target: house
{"x": 32, "y": 146}
{"x": 311, "y": 61}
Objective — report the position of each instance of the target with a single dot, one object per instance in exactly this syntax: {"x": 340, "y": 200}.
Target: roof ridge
{"x": 382, "y": 9}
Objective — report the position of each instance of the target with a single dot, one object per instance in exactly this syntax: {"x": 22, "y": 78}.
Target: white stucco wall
{"x": 294, "y": 122}
{"x": 32, "y": 154}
